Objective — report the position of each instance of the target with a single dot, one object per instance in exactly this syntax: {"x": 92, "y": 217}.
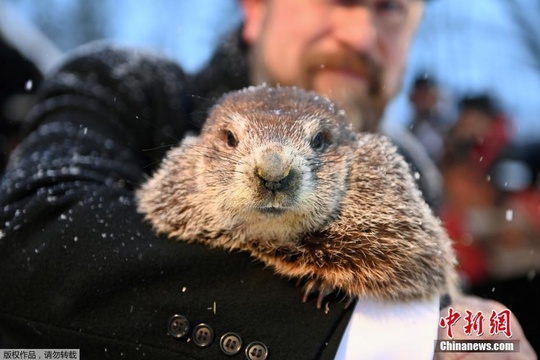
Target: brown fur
{"x": 352, "y": 218}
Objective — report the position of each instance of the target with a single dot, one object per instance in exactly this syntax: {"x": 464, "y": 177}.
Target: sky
{"x": 468, "y": 46}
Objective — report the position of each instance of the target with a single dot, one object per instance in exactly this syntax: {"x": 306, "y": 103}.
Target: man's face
{"x": 424, "y": 99}
{"x": 352, "y": 51}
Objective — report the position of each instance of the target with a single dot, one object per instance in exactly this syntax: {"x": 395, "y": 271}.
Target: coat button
{"x": 230, "y": 343}
{"x": 203, "y": 335}
{"x": 256, "y": 351}
{"x": 178, "y": 326}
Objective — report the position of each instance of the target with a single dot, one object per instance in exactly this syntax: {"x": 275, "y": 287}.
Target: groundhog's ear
{"x": 190, "y": 140}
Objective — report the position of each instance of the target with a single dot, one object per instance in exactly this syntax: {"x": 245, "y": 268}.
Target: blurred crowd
{"x": 491, "y": 204}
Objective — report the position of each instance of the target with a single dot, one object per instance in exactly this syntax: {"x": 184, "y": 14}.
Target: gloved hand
{"x": 136, "y": 90}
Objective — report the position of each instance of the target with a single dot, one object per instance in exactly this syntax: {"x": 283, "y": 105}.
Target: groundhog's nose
{"x": 280, "y": 185}
{"x": 274, "y": 173}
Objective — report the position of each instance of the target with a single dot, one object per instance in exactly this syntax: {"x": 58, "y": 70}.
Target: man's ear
{"x": 254, "y": 14}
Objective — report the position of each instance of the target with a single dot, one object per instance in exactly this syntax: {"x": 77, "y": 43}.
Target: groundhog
{"x": 277, "y": 172}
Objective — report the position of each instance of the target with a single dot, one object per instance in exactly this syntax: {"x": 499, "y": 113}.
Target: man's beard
{"x": 363, "y": 103}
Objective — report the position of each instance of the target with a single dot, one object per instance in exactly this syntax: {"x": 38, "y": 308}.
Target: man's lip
{"x": 348, "y": 72}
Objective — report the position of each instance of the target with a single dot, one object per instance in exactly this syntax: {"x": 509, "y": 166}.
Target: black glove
{"x": 141, "y": 94}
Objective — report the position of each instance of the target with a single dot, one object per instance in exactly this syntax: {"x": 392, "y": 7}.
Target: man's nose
{"x": 355, "y": 27}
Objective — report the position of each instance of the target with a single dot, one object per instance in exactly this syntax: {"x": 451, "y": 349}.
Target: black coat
{"x": 78, "y": 266}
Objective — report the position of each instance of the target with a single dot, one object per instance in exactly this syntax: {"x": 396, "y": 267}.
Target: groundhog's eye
{"x": 317, "y": 143}
{"x": 231, "y": 139}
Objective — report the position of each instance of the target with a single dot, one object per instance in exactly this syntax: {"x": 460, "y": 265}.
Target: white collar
{"x": 380, "y": 330}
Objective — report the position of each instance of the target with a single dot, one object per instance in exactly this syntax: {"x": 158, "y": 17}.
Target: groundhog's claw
{"x": 316, "y": 286}
{"x": 348, "y": 301}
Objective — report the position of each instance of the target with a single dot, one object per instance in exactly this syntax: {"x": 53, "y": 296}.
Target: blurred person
{"x": 23, "y": 61}
{"x": 481, "y": 131}
{"x": 471, "y": 199}
{"x": 431, "y": 115}
{"x": 472, "y": 146}
{"x": 19, "y": 76}
{"x": 86, "y": 272}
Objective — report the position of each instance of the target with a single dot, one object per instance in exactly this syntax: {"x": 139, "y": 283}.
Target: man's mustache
{"x": 348, "y": 61}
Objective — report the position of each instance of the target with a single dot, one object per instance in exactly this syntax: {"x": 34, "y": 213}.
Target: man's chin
{"x": 340, "y": 85}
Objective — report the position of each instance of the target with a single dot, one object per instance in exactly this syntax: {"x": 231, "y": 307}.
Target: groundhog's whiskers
{"x": 160, "y": 147}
